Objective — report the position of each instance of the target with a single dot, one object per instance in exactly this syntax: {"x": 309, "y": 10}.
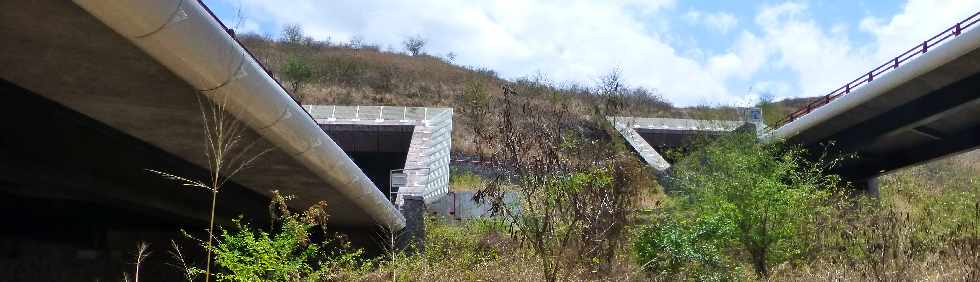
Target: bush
{"x": 671, "y": 248}
{"x": 297, "y": 72}
{"x": 245, "y": 253}
{"x": 763, "y": 201}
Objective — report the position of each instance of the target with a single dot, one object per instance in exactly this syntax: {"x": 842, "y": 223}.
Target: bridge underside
{"x": 77, "y": 200}
{"x": 75, "y": 61}
{"x": 935, "y": 115}
{"x": 674, "y": 143}
{"x": 375, "y": 149}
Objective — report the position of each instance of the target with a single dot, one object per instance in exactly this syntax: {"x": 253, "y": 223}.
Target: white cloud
{"x": 568, "y": 40}
{"x": 721, "y": 22}
{"x": 918, "y": 20}
{"x": 824, "y": 59}
{"x": 783, "y": 51}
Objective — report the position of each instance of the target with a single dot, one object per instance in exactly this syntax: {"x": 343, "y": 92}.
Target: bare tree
{"x": 415, "y": 45}
{"x": 292, "y": 33}
{"x": 575, "y": 188}
{"x": 611, "y": 88}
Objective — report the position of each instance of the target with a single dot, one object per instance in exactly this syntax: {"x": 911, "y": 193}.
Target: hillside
{"x": 357, "y": 74}
{"x": 363, "y": 74}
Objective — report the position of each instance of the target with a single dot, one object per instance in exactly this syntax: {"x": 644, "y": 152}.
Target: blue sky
{"x": 695, "y": 52}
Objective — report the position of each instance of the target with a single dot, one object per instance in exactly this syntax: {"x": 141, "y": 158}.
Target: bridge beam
{"x": 914, "y": 115}
{"x": 963, "y": 141}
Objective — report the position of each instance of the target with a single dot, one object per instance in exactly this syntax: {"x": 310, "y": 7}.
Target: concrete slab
{"x": 76, "y": 61}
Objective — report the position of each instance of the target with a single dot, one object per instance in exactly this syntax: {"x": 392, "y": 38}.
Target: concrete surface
{"x": 932, "y": 116}
{"x": 651, "y": 138}
{"x": 56, "y": 50}
{"x": 411, "y": 239}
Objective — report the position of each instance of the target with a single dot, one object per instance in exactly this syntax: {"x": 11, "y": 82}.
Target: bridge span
{"x": 97, "y": 92}
{"x": 922, "y": 105}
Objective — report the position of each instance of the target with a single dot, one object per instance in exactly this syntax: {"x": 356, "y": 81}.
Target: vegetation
{"x": 228, "y": 153}
{"x": 297, "y": 73}
{"x": 414, "y": 45}
{"x": 762, "y": 202}
{"x": 587, "y": 207}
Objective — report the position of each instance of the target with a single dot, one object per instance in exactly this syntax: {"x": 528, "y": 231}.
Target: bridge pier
{"x": 412, "y": 238}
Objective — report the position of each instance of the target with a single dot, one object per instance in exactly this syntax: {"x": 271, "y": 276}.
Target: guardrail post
{"x": 871, "y": 75}
{"x": 925, "y": 46}
{"x": 957, "y": 29}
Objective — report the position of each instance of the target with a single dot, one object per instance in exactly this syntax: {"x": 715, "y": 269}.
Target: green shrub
{"x": 255, "y": 255}
{"x": 245, "y": 253}
{"x": 297, "y": 72}
{"x": 763, "y": 201}
{"x": 672, "y": 248}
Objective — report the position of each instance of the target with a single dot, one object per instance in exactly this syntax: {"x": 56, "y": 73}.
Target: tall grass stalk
{"x": 227, "y": 151}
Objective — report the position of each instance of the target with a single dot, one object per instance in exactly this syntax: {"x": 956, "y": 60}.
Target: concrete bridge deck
{"x": 923, "y": 105}
{"x": 57, "y": 51}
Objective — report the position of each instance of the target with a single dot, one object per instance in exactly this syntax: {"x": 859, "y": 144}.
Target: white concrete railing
{"x": 379, "y": 113}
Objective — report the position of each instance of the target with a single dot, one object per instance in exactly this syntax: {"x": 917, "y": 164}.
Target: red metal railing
{"x": 890, "y": 65}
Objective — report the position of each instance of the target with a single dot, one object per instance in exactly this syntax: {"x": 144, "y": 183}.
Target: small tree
{"x": 767, "y": 198}
{"x": 611, "y": 88}
{"x": 414, "y": 45}
{"x": 292, "y": 33}
{"x": 297, "y": 73}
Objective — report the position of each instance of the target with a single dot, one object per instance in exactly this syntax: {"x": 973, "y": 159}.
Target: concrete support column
{"x": 412, "y": 238}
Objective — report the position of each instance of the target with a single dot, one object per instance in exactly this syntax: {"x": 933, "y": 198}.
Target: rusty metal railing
{"x": 951, "y": 32}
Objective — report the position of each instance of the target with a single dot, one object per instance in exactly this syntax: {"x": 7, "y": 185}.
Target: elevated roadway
{"x": 141, "y": 69}
{"x": 922, "y": 105}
